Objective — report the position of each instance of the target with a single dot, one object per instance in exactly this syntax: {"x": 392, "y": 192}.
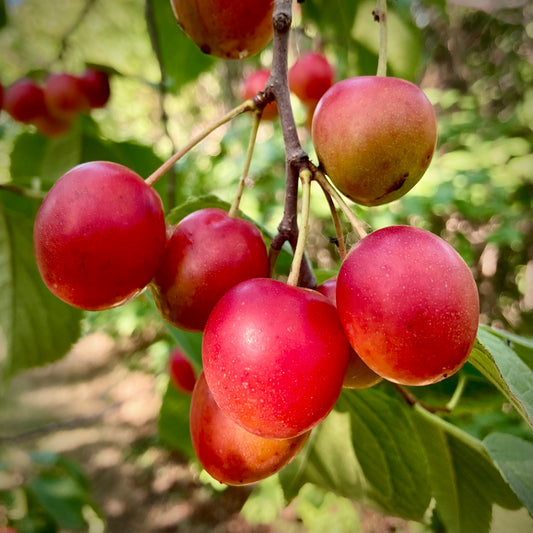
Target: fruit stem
{"x": 294, "y": 274}
{"x": 155, "y": 39}
{"x": 329, "y": 189}
{"x": 247, "y": 105}
{"x": 458, "y": 392}
{"x": 337, "y": 224}
{"x": 412, "y": 400}
{"x": 234, "y": 210}
{"x": 380, "y": 16}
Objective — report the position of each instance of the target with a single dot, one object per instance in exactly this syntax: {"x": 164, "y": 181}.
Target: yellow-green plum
{"x": 374, "y": 137}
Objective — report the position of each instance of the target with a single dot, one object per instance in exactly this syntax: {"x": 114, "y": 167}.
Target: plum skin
{"x": 375, "y": 137}
{"x": 228, "y": 452}
{"x": 229, "y": 30}
{"x": 65, "y": 95}
{"x": 274, "y": 357}
{"x": 181, "y": 371}
{"x": 207, "y": 253}
{"x": 310, "y": 77}
{"x": 99, "y": 235}
{"x": 409, "y": 305}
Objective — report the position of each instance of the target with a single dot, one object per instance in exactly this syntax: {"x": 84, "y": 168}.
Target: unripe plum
{"x": 64, "y": 95}
{"x": 228, "y": 29}
{"x": 24, "y": 100}
{"x": 254, "y": 83}
{"x": 207, "y": 253}
{"x": 181, "y": 372}
{"x": 99, "y": 235}
{"x": 409, "y": 305}
{"x": 375, "y": 137}
{"x": 358, "y": 374}
{"x": 228, "y": 452}
{"x": 310, "y": 77}
{"x": 274, "y": 357}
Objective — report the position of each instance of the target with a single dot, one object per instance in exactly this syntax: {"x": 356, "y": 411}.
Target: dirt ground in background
{"x": 93, "y": 407}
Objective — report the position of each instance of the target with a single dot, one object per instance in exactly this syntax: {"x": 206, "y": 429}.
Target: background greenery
{"x": 475, "y": 64}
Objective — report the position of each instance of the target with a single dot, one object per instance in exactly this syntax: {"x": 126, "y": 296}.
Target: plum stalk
{"x": 380, "y": 16}
{"x": 248, "y": 105}
{"x": 234, "y": 210}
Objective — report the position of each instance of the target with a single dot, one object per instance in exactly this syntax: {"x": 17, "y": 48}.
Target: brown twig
{"x": 63, "y": 43}
{"x": 296, "y": 159}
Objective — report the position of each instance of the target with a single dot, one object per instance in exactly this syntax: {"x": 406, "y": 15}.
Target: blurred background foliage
{"x": 472, "y": 57}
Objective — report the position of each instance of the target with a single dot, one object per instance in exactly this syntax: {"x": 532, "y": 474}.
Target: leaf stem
{"x": 234, "y": 210}
{"x": 380, "y": 16}
{"x": 247, "y": 105}
{"x": 296, "y": 264}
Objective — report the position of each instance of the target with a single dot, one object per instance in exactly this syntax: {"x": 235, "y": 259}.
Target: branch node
{"x": 282, "y": 22}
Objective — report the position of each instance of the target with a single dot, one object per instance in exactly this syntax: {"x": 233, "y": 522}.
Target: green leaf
{"x": 62, "y": 498}
{"x": 520, "y": 345}
{"x": 507, "y": 372}
{"x": 174, "y": 421}
{"x": 182, "y": 60}
{"x": 334, "y": 18}
{"x": 514, "y": 459}
{"x": 37, "y": 327}
{"x": 24, "y": 167}
{"x": 195, "y": 204}
{"x": 389, "y": 452}
{"x": 190, "y": 342}
{"x": 61, "y": 154}
{"x": 326, "y": 512}
{"x": 3, "y": 14}
{"x": 465, "y": 483}
{"x": 265, "y": 502}
{"x": 367, "y": 449}
{"x": 328, "y": 460}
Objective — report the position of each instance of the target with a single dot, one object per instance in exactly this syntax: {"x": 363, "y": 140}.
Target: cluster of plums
{"x": 403, "y": 307}
{"x": 53, "y": 105}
